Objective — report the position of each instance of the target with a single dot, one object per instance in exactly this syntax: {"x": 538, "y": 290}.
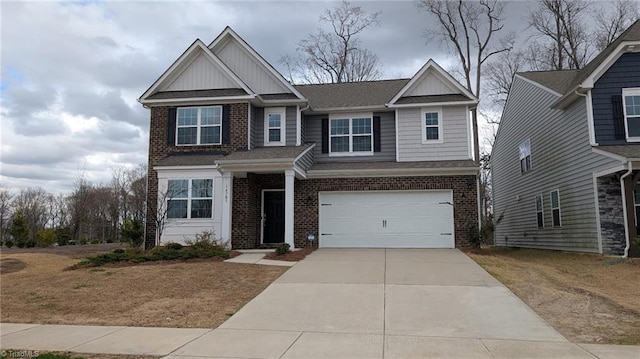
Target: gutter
{"x": 624, "y": 209}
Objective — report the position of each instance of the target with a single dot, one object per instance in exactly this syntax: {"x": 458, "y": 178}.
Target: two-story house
{"x": 236, "y": 149}
{"x": 566, "y": 159}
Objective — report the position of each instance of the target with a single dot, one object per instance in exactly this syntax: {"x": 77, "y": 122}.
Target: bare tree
{"x": 31, "y": 203}
{"x": 334, "y": 56}
{"x": 562, "y": 34}
{"x": 610, "y": 24}
{"x": 499, "y": 75}
{"x": 5, "y": 212}
{"x": 470, "y": 29}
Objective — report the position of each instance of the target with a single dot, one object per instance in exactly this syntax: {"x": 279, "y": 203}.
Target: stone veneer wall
{"x": 160, "y": 149}
{"x": 611, "y": 215}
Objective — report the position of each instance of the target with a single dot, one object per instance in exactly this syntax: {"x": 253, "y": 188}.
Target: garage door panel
{"x": 408, "y": 219}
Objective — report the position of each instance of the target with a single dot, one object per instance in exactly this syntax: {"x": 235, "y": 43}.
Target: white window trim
{"x": 350, "y": 117}
{"x": 635, "y": 91}
{"x": 541, "y": 210}
{"x": 553, "y": 208}
{"x": 189, "y": 198}
{"x": 282, "y": 111}
{"x": 199, "y": 126}
{"x": 528, "y": 140}
{"x": 423, "y": 126}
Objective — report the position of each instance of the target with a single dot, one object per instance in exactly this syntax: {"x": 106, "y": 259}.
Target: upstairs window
{"x": 631, "y": 105}
{"x": 525, "y": 156}
{"x": 555, "y": 208}
{"x": 431, "y": 126}
{"x": 199, "y": 125}
{"x": 539, "y": 211}
{"x": 190, "y": 198}
{"x": 274, "y": 126}
{"x": 351, "y": 135}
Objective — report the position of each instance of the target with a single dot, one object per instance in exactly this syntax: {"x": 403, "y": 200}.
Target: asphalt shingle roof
{"x": 557, "y": 81}
{"x": 431, "y": 99}
{"x": 190, "y": 159}
{"x": 266, "y": 153}
{"x": 351, "y": 94}
{"x": 391, "y": 165}
{"x": 628, "y": 151}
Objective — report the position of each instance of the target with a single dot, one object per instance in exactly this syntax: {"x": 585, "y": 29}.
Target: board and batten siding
{"x": 245, "y": 66}
{"x": 201, "y": 74}
{"x": 313, "y": 133}
{"x": 290, "y": 126}
{"x": 561, "y": 158}
{"x": 624, "y": 73}
{"x": 455, "y": 144}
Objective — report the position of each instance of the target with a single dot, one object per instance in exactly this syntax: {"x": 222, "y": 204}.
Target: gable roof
{"x": 228, "y": 33}
{"x": 423, "y": 72}
{"x": 557, "y": 81}
{"x": 351, "y": 94}
{"x": 181, "y": 64}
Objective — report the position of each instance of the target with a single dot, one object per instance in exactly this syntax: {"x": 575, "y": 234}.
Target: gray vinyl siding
{"x": 455, "y": 145}
{"x": 624, "y": 73}
{"x": 313, "y": 133}
{"x": 292, "y": 119}
{"x": 305, "y": 161}
{"x": 561, "y": 158}
{"x": 290, "y": 123}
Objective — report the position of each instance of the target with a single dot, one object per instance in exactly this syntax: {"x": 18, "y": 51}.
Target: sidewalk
{"x": 165, "y": 341}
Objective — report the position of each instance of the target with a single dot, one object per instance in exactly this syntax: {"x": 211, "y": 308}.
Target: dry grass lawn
{"x": 587, "y": 298}
{"x": 192, "y": 294}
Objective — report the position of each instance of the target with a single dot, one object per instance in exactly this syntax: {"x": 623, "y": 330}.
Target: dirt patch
{"x": 10, "y": 265}
{"x": 293, "y": 256}
{"x": 587, "y": 298}
{"x": 183, "y": 295}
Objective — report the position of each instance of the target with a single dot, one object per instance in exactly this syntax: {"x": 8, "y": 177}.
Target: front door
{"x": 273, "y": 217}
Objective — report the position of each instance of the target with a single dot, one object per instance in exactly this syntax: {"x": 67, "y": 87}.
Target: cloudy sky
{"x": 71, "y": 71}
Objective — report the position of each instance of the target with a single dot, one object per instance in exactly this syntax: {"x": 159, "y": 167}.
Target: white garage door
{"x": 386, "y": 219}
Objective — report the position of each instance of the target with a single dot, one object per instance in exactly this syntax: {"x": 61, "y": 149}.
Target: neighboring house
{"x": 566, "y": 159}
{"x": 236, "y": 149}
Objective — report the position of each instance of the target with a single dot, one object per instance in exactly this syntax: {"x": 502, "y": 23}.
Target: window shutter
{"x": 171, "y": 127}
{"x": 376, "y": 134}
{"x": 618, "y": 116}
{"x": 226, "y": 124}
{"x": 325, "y": 135}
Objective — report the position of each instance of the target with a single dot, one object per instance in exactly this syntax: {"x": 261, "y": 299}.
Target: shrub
{"x": 473, "y": 235}
{"x": 174, "y": 246}
{"x": 283, "y": 248}
{"x": 8, "y": 243}
{"x": 132, "y": 232}
{"x": 118, "y": 251}
{"x": 46, "y": 237}
{"x": 64, "y": 235}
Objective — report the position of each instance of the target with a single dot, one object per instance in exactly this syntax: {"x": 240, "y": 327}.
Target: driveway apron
{"x": 383, "y": 303}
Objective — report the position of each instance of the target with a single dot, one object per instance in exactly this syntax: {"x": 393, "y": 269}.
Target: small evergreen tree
{"x": 19, "y": 230}
{"x": 132, "y": 232}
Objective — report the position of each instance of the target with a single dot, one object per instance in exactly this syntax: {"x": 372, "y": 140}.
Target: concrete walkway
{"x": 349, "y": 304}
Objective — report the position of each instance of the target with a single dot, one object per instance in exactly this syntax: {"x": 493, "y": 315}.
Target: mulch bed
{"x": 293, "y": 256}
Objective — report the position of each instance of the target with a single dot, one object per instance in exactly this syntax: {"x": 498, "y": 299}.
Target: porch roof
{"x": 623, "y": 153}
{"x": 392, "y": 165}
{"x": 190, "y": 159}
{"x": 265, "y": 154}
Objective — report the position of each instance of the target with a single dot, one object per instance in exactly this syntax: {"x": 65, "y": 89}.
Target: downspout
{"x": 624, "y": 208}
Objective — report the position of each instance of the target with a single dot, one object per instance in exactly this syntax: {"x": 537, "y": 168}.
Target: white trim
{"x": 613, "y": 155}
{"x": 391, "y": 172}
{"x": 431, "y": 64}
{"x": 229, "y": 31}
{"x": 607, "y": 63}
{"x": 552, "y": 208}
{"x": 282, "y": 111}
{"x": 426, "y": 104}
{"x": 350, "y": 117}
{"x": 470, "y": 148}
{"x": 180, "y": 61}
{"x": 263, "y": 215}
{"x": 591, "y": 124}
{"x": 612, "y": 170}
{"x": 526, "y": 144}
{"x": 199, "y": 126}
{"x": 189, "y": 197}
{"x": 423, "y": 125}
{"x": 180, "y": 168}
{"x": 304, "y": 152}
{"x": 396, "y": 126}
{"x": 632, "y": 91}
{"x": 248, "y": 126}
{"x": 541, "y": 210}
{"x": 289, "y": 207}
{"x": 625, "y": 215}
{"x": 298, "y": 126}
{"x": 597, "y": 207}
{"x": 536, "y": 84}
{"x": 227, "y": 206}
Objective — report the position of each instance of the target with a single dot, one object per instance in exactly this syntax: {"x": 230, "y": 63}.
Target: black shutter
{"x": 226, "y": 124}
{"x": 171, "y": 127}
{"x": 325, "y": 135}
{"x": 618, "y": 116}
{"x": 376, "y": 134}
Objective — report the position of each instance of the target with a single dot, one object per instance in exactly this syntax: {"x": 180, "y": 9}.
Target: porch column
{"x": 227, "y": 205}
{"x": 289, "y": 180}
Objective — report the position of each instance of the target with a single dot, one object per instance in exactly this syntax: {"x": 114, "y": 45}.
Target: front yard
{"x": 36, "y": 288}
{"x": 587, "y": 298}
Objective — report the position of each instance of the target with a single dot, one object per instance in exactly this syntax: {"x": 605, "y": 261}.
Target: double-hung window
{"x": 555, "y": 208}
{"x": 190, "y": 198}
{"x": 274, "y": 126}
{"x": 539, "y": 211}
{"x": 351, "y": 135}
{"x": 431, "y": 125}
{"x": 631, "y": 102}
{"x": 525, "y": 156}
{"x": 199, "y": 125}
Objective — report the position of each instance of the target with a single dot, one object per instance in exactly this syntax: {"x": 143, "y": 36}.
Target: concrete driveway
{"x": 376, "y": 303}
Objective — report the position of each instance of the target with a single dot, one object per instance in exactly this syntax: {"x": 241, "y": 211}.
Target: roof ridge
{"x": 351, "y": 82}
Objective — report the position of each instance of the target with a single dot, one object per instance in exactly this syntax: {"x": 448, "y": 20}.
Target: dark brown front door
{"x": 273, "y": 217}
